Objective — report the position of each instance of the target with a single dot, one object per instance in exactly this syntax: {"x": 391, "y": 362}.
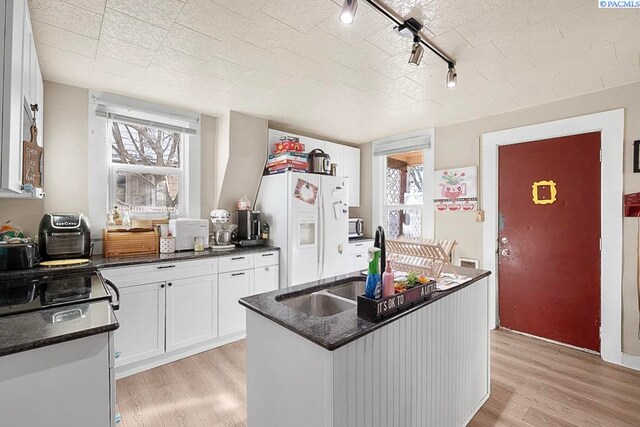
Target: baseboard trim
{"x": 137, "y": 367}
{"x": 631, "y": 361}
{"x": 585, "y": 350}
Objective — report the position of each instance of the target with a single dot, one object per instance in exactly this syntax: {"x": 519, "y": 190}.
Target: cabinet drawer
{"x": 264, "y": 259}
{"x": 235, "y": 263}
{"x": 159, "y": 272}
{"x": 359, "y": 247}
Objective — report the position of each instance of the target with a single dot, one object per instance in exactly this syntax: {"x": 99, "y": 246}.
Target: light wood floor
{"x": 533, "y": 383}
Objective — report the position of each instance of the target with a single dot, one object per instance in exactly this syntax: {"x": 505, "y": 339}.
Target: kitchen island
{"x": 312, "y": 361}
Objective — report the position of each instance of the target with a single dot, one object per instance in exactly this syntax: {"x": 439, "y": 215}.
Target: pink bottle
{"x": 388, "y": 288}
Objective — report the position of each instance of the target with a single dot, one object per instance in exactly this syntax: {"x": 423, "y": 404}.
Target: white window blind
{"x": 403, "y": 145}
{"x": 170, "y": 124}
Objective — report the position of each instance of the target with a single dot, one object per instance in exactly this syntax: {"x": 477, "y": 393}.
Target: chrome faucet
{"x": 379, "y": 243}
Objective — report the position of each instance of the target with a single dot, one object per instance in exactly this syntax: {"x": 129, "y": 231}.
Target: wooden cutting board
{"x": 65, "y": 262}
{"x": 32, "y": 160}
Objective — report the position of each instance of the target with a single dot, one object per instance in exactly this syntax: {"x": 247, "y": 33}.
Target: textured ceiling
{"x": 293, "y": 62}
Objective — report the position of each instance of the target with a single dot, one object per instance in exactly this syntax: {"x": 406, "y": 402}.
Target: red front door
{"x": 549, "y": 251}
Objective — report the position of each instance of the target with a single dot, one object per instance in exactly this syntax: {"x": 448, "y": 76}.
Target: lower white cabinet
{"x": 358, "y": 254}
{"x": 141, "y": 317}
{"x": 65, "y": 384}
{"x": 231, "y": 287}
{"x": 191, "y": 316}
{"x": 266, "y": 279}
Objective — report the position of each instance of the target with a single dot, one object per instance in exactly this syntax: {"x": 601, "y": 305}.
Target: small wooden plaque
{"x": 32, "y": 161}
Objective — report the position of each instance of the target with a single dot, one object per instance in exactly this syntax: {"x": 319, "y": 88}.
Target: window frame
{"x": 379, "y": 180}
{"x": 99, "y": 156}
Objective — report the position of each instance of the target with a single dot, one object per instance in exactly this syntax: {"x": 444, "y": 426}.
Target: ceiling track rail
{"x": 392, "y": 16}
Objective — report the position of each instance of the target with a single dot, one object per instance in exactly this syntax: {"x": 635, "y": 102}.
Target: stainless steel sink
{"x": 319, "y": 304}
{"x": 349, "y": 290}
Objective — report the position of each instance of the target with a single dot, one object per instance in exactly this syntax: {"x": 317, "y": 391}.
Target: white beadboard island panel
{"x": 429, "y": 368}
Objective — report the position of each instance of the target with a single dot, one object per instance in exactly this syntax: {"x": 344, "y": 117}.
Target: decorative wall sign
{"x": 306, "y": 191}
{"x": 457, "y": 189}
{"x": 544, "y": 192}
{"x": 32, "y": 161}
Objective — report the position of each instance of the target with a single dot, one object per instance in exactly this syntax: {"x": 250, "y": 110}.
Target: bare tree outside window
{"x": 147, "y": 168}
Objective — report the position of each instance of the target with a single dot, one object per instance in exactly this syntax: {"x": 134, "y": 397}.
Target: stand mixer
{"x": 221, "y": 238}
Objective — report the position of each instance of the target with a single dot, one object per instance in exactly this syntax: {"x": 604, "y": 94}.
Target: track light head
{"x": 452, "y": 77}
{"x": 416, "y": 52}
{"x": 348, "y": 12}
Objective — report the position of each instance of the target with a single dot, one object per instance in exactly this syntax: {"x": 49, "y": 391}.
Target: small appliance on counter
{"x": 18, "y": 256}
{"x": 319, "y": 162}
{"x": 186, "y": 230}
{"x": 356, "y": 227}
{"x": 221, "y": 237}
{"x": 249, "y": 229}
{"x": 64, "y": 236}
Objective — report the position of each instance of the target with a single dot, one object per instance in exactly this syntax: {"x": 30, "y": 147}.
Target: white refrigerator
{"x": 308, "y": 219}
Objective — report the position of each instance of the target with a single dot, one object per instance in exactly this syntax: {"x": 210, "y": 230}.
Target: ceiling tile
{"x": 494, "y": 24}
{"x": 267, "y": 77}
{"x": 123, "y": 51}
{"x": 272, "y": 101}
{"x": 399, "y": 85}
{"x": 243, "y": 92}
{"x": 161, "y": 13}
{"x": 49, "y": 35}
{"x": 268, "y": 33}
{"x": 246, "y": 8}
{"x": 389, "y": 40}
{"x": 211, "y": 19}
{"x": 330, "y": 71}
{"x": 593, "y": 62}
{"x": 360, "y": 56}
{"x": 96, "y": 6}
{"x": 178, "y": 61}
{"x": 317, "y": 44}
{"x": 395, "y": 66}
{"x": 226, "y": 70}
{"x": 243, "y": 53}
{"x": 302, "y": 15}
{"x": 58, "y": 59}
{"x": 193, "y": 43}
{"x": 132, "y": 30}
{"x": 366, "y": 80}
{"x": 545, "y": 9}
{"x": 291, "y": 63}
{"x": 531, "y": 39}
{"x": 117, "y": 67}
{"x": 452, "y": 43}
{"x": 627, "y": 28}
{"x": 588, "y": 16}
{"x": 66, "y": 16}
{"x": 367, "y": 23}
{"x": 439, "y": 16}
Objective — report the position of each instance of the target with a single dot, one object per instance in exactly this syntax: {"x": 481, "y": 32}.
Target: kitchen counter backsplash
{"x": 99, "y": 261}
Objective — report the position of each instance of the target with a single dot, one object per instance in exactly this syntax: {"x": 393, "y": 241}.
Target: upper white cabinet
{"x": 21, "y": 86}
{"x": 347, "y": 159}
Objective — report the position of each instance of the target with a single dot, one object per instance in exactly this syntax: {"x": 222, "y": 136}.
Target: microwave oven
{"x": 356, "y": 227}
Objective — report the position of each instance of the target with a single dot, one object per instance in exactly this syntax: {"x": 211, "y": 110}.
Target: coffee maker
{"x": 249, "y": 226}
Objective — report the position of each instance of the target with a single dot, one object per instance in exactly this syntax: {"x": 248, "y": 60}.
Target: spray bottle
{"x": 373, "y": 287}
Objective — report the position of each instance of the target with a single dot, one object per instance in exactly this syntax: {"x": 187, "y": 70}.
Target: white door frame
{"x": 611, "y": 126}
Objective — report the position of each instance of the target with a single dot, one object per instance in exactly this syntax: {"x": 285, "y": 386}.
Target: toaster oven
{"x": 64, "y": 236}
{"x": 356, "y": 227}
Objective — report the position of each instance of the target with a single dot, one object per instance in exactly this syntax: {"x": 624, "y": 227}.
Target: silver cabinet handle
{"x": 237, "y": 274}
{"x": 267, "y": 254}
{"x": 163, "y": 267}
{"x": 117, "y": 355}
{"x": 237, "y": 258}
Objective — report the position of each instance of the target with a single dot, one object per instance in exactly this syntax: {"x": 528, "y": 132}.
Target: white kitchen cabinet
{"x": 21, "y": 80}
{"x": 191, "y": 311}
{"x": 142, "y": 323}
{"x": 231, "y": 287}
{"x": 267, "y": 279}
{"x": 65, "y": 384}
{"x": 357, "y": 251}
{"x": 335, "y": 153}
{"x": 351, "y": 167}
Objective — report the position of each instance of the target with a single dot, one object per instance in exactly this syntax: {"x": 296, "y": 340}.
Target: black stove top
{"x": 19, "y": 296}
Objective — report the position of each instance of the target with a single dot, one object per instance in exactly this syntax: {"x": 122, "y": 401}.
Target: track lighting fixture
{"x": 408, "y": 27}
{"x": 348, "y": 11}
{"x": 452, "y": 77}
{"x": 416, "y": 52}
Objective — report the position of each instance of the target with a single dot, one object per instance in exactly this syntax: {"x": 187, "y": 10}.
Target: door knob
{"x": 340, "y": 249}
{"x": 505, "y": 252}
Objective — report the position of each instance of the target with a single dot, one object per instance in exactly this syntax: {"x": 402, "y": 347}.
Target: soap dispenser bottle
{"x": 373, "y": 286}
{"x": 388, "y": 288}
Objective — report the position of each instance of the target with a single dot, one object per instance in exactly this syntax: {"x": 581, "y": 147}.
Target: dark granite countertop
{"x": 333, "y": 332}
{"x": 27, "y": 331}
{"x": 99, "y": 261}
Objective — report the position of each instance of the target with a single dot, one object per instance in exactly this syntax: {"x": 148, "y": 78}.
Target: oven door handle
{"x": 114, "y": 304}
{"x": 360, "y": 227}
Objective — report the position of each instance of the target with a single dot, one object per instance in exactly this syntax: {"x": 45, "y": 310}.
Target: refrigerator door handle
{"x": 320, "y": 237}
